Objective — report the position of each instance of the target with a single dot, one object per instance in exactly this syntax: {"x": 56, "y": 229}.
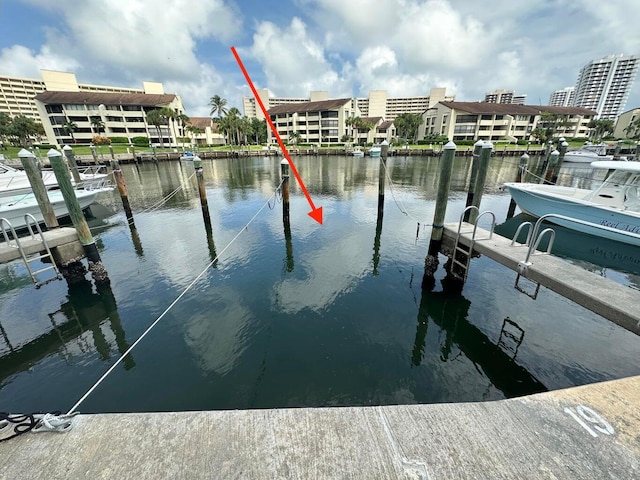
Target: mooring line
{"x": 117, "y": 362}
{"x": 401, "y": 205}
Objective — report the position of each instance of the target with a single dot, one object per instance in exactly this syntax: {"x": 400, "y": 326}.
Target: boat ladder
{"x": 461, "y": 256}
{"x": 44, "y": 254}
{"x": 533, "y": 241}
{"x": 511, "y": 336}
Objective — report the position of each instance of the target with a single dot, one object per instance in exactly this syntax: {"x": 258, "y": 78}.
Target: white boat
{"x": 357, "y": 152}
{"x": 612, "y": 210}
{"x": 187, "y": 157}
{"x": 14, "y": 207}
{"x": 375, "y": 150}
{"x": 16, "y": 182}
{"x": 588, "y": 153}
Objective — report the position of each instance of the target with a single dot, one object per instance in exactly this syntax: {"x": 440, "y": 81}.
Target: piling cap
{"x": 24, "y": 153}
{"x": 479, "y": 143}
{"x": 524, "y": 157}
{"x": 284, "y": 162}
{"x": 53, "y": 153}
{"x": 564, "y": 144}
{"x": 66, "y": 148}
{"x": 384, "y": 142}
{"x": 561, "y": 139}
{"x": 450, "y": 146}
{"x": 555, "y": 153}
{"x": 487, "y": 145}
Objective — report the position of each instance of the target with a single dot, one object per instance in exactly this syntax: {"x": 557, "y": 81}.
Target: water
{"x": 330, "y": 315}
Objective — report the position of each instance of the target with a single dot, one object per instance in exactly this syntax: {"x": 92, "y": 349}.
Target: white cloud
{"x": 20, "y": 61}
{"x": 293, "y": 63}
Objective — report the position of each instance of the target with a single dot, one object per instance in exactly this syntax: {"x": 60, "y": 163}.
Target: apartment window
{"x": 74, "y": 107}
{"x": 499, "y": 117}
{"x": 54, "y": 108}
{"x": 486, "y": 117}
{"x": 330, "y": 114}
{"x": 466, "y": 119}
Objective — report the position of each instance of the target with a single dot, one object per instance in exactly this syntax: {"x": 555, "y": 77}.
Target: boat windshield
{"x": 617, "y": 180}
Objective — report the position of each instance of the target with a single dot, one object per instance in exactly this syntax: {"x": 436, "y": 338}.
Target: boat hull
{"x": 605, "y": 222}
{"x": 15, "y": 208}
{"x": 581, "y": 157}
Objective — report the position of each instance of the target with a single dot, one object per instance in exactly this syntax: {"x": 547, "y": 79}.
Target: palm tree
{"x": 182, "y": 120}
{"x": 97, "y": 123}
{"x": 218, "y": 106}
{"x": 295, "y": 138}
{"x": 70, "y": 127}
{"x": 155, "y": 117}
{"x": 194, "y": 131}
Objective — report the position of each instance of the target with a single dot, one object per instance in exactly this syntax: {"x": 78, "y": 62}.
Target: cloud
{"x": 20, "y": 61}
{"x": 293, "y": 63}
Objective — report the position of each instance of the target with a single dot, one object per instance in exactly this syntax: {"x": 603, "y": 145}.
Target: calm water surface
{"x": 328, "y": 315}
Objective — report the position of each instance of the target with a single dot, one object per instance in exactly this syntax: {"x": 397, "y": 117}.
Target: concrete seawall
{"x": 589, "y": 432}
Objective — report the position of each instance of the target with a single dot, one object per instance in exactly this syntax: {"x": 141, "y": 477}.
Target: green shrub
{"x": 140, "y": 141}
{"x": 119, "y": 139}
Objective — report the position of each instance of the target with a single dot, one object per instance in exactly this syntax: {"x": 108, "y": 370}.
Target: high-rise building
{"x": 603, "y": 85}
{"x": 378, "y": 104}
{"x": 562, "y": 98}
{"x": 505, "y": 96}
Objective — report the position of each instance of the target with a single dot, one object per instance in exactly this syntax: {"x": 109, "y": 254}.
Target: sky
{"x": 347, "y": 47}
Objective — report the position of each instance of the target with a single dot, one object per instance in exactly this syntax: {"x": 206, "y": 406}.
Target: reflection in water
{"x": 449, "y": 310}
{"x": 261, "y": 332}
{"x": 84, "y": 312}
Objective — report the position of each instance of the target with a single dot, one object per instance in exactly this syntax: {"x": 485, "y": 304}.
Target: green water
{"x": 331, "y": 314}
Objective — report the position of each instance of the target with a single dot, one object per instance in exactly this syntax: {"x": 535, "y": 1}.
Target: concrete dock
{"x": 589, "y": 432}
{"x": 601, "y": 295}
{"x": 57, "y": 238}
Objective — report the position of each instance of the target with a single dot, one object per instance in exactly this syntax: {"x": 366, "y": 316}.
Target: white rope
{"x": 164, "y": 200}
{"x": 100, "y": 380}
{"x": 397, "y": 201}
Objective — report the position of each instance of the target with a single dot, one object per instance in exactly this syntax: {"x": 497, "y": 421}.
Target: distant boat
{"x": 589, "y": 153}
{"x": 375, "y": 150}
{"x": 611, "y": 210}
{"x": 16, "y": 182}
{"x": 187, "y": 157}
{"x": 357, "y": 152}
{"x": 13, "y": 208}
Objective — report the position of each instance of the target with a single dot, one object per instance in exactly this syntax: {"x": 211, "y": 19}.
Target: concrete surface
{"x": 601, "y": 295}
{"x": 55, "y": 238}
{"x": 590, "y": 432}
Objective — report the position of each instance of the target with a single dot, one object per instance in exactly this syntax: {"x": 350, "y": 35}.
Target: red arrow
{"x": 315, "y": 213}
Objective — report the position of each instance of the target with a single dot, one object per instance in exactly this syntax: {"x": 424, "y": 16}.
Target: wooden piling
{"x": 202, "y": 190}
{"x": 284, "y": 173}
{"x": 75, "y": 213}
{"x": 92, "y": 147}
{"x": 446, "y": 167}
{"x": 524, "y": 161}
{"x": 122, "y": 189}
{"x": 28, "y": 161}
{"x": 550, "y": 174}
{"x": 485, "y": 157}
{"x": 384, "y": 152}
{"x": 475, "y": 164}
{"x": 73, "y": 166}
{"x": 113, "y": 156}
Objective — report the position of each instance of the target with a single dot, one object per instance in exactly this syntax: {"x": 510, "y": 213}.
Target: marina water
{"x": 331, "y": 315}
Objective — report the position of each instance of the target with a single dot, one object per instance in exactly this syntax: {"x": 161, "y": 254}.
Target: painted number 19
{"x": 588, "y": 418}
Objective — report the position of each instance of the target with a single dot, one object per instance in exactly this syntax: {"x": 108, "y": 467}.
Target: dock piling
{"x": 122, "y": 189}
{"x": 75, "y": 212}
{"x": 524, "y": 161}
{"x": 550, "y": 174}
{"x": 73, "y": 166}
{"x": 483, "y": 168}
{"x": 475, "y": 164}
{"x": 446, "y": 167}
{"x": 284, "y": 173}
{"x": 28, "y": 161}
{"x": 202, "y": 190}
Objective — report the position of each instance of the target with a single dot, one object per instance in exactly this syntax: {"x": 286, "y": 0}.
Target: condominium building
{"x": 107, "y": 114}
{"x": 603, "y": 85}
{"x": 562, "y": 98}
{"x": 209, "y": 133}
{"x": 17, "y": 94}
{"x": 494, "y": 121}
{"x": 505, "y": 96}
{"x": 58, "y": 98}
{"x": 378, "y": 104}
{"x": 625, "y": 119}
